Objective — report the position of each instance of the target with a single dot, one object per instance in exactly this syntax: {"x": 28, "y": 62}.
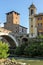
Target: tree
{"x": 20, "y": 49}
{"x": 4, "y": 48}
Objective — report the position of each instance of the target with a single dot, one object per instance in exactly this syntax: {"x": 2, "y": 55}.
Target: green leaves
{"x": 32, "y": 48}
{"x": 4, "y": 48}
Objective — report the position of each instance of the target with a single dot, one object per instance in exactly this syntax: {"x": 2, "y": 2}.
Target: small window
{"x": 31, "y": 25}
{"x": 16, "y": 27}
{"x": 16, "y": 31}
{"x": 32, "y": 11}
{"x": 31, "y": 19}
{"x": 7, "y": 13}
{"x": 39, "y": 24}
{"x": 40, "y": 18}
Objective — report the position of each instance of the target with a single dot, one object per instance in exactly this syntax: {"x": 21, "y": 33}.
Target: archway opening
{"x": 10, "y": 41}
{"x": 24, "y": 40}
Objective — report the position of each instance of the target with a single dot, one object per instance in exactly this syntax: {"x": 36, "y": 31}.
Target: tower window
{"x": 31, "y": 25}
{"x": 31, "y": 19}
{"x": 32, "y": 11}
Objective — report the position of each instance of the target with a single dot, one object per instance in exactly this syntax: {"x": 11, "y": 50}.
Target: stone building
{"x": 35, "y": 22}
{"x": 13, "y": 23}
{"x": 39, "y": 23}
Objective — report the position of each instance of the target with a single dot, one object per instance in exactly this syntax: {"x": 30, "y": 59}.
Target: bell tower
{"x": 32, "y": 29}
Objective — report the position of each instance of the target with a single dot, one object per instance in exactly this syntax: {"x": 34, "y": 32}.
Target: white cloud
{"x": 1, "y": 25}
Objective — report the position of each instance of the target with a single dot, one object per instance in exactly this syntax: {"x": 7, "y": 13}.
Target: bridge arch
{"x": 24, "y": 39}
{"x": 9, "y": 36}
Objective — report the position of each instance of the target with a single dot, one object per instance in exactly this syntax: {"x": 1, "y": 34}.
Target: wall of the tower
{"x": 16, "y": 19}
{"x": 13, "y": 23}
{"x": 32, "y": 22}
{"x": 32, "y": 11}
{"x": 13, "y": 18}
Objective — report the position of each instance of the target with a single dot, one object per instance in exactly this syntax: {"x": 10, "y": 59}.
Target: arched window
{"x": 32, "y": 11}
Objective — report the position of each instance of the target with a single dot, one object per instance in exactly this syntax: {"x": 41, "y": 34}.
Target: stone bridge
{"x": 8, "y": 35}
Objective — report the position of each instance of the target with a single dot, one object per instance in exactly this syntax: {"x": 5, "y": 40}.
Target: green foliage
{"x": 4, "y": 48}
{"x": 32, "y": 48}
{"x": 20, "y": 50}
{"x": 40, "y": 36}
{"x": 17, "y": 51}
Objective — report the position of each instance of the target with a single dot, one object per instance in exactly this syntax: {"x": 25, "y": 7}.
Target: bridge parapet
{"x": 4, "y": 30}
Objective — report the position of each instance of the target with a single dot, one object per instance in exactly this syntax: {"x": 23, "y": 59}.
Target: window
{"x": 31, "y": 25}
{"x": 40, "y": 18}
{"x": 31, "y": 19}
{"x": 20, "y": 29}
{"x": 32, "y": 11}
{"x": 39, "y": 24}
{"x": 16, "y": 31}
{"x": 7, "y": 13}
{"x": 16, "y": 27}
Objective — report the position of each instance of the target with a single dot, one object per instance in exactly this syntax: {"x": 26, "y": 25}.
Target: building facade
{"x": 32, "y": 27}
{"x": 13, "y": 23}
{"x": 39, "y": 23}
{"x": 35, "y": 22}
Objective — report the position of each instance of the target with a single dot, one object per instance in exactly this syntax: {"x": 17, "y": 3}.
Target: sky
{"x": 20, "y": 6}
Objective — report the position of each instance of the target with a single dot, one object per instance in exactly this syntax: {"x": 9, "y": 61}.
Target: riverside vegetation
{"x": 4, "y": 60}
{"x": 32, "y": 48}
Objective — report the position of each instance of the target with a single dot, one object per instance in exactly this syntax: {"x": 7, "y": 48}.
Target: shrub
{"x": 17, "y": 51}
{"x": 33, "y": 48}
{"x": 20, "y": 50}
{"x": 4, "y": 48}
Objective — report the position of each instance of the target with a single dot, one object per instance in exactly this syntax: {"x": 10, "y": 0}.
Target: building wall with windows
{"x": 39, "y": 23}
{"x": 13, "y": 17}
{"x": 13, "y": 23}
{"x": 32, "y": 28}
{"x": 22, "y": 30}
{"x": 35, "y": 22}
